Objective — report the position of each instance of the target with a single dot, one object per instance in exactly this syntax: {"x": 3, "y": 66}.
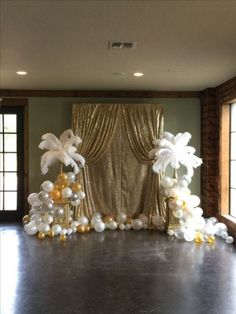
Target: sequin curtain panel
{"x": 116, "y": 139}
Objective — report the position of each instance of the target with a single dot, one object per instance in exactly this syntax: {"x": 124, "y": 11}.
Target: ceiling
{"x": 181, "y": 45}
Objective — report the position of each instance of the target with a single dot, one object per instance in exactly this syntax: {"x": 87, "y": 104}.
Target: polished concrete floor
{"x": 115, "y": 272}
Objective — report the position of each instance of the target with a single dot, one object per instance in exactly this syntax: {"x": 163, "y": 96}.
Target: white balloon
{"x": 83, "y": 220}
{"x": 74, "y": 224}
{"x": 56, "y": 229}
{"x": 33, "y": 198}
{"x": 63, "y": 231}
{"x": 121, "y": 217}
{"x": 99, "y": 227}
{"x": 112, "y": 225}
{"x": 137, "y": 224}
{"x": 193, "y": 200}
{"x": 229, "y": 240}
{"x": 209, "y": 229}
{"x": 71, "y": 177}
{"x": 95, "y": 220}
{"x": 224, "y": 234}
{"x": 183, "y": 183}
{"x": 81, "y": 195}
{"x": 167, "y": 182}
{"x": 48, "y": 219}
{"x": 213, "y": 220}
{"x": 69, "y": 231}
{"x": 173, "y": 192}
{"x": 179, "y": 234}
{"x": 177, "y": 213}
{"x": 75, "y": 203}
{"x": 66, "y": 192}
{"x": 127, "y": 226}
{"x": 197, "y": 211}
{"x": 44, "y": 196}
{"x": 219, "y": 227}
{"x": 189, "y": 235}
{"x": 47, "y": 186}
{"x": 43, "y": 227}
{"x": 31, "y": 228}
{"x": 74, "y": 229}
{"x": 121, "y": 226}
{"x": 97, "y": 214}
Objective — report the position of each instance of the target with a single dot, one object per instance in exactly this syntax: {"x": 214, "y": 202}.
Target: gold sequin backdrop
{"x": 116, "y": 139}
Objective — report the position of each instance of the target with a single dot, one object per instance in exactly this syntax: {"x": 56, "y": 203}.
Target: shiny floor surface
{"x": 115, "y": 272}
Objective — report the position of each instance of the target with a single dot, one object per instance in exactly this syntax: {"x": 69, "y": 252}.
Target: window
{"x": 232, "y": 159}
{"x": 12, "y": 184}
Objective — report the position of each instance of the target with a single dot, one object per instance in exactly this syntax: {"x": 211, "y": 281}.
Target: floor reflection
{"x": 9, "y": 252}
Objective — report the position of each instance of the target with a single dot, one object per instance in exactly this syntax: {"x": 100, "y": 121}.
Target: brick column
{"x": 210, "y": 152}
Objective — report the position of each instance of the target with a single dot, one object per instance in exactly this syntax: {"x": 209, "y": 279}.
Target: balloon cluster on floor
{"x": 182, "y": 205}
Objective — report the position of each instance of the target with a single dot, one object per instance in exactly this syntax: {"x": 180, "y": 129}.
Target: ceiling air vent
{"x": 116, "y": 45}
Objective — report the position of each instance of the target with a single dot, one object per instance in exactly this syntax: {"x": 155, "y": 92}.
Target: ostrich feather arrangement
{"x": 62, "y": 149}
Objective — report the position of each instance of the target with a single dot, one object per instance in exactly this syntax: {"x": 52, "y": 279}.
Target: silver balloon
{"x": 229, "y": 240}
{"x": 66, "y": 192}
{"x": 44, "y": 196}
{"x": 47, "y": 206}
{"x": 75, "y": 203}
{"x": 121, "y": 226}
{"x": 74, "y": 196}
{"x": 81, "y": 195}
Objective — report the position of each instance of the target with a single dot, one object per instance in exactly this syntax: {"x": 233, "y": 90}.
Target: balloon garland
{"x": 55, "y": 208}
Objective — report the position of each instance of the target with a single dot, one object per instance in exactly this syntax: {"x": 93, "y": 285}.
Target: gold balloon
{"x": 108, "y": 218}
{"x": 129, "y": 221}
{"x": 62, "y": 178}
{"x": 63, "y": 237}
{"x": 211, "y": 240}
{"x": 198, "y": 237}
{"x": 87, "y": 228}
{"x": 55, "y": 194}
{"x": 81, "y": 228}
{"x": 25, "y": 219}
{"x": 75, "y": 187}
{"x": 51, "y": 233}
{"x": 41, "y": 235}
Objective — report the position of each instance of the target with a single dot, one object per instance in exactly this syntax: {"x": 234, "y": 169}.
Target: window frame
{"x": 20, "y": 108}
{"x": 224, "y": 167}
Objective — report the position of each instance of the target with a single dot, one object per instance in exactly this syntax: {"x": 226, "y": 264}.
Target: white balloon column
{"x": 173, "y": 150}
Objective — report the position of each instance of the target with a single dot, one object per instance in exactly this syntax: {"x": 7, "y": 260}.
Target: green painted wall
{"x": 54, "y": 115}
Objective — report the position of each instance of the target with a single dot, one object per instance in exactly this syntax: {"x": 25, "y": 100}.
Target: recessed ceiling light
{"x": 138, "y": 74}
{"x": 21, "y": 72}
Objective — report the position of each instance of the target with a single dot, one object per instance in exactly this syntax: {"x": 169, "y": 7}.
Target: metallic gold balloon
{"x": 129, "y": 221}
{"x": 41, "y": 235}
{"x": 198, "y": 237}
{"x": 211, "y": 240}
{"x": 108, "y": 218}
{"x": 63, "y": 237}
{"x": 55, "y": 194}
{"x": 51, "y": 234}
{"x": 62, "y": 178}
{"x": 87, "y": 228}
{"x": 81, "y": 228}
{"x": 25, "y": 219}
{"x": 75, "y": 187}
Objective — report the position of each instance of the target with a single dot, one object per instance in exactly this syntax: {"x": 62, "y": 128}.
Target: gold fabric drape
{"x": 116, "y": 139}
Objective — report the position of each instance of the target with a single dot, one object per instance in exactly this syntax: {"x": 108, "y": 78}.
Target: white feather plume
{"x": 63, "y": 149}
{"x": 173, "y": 150}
